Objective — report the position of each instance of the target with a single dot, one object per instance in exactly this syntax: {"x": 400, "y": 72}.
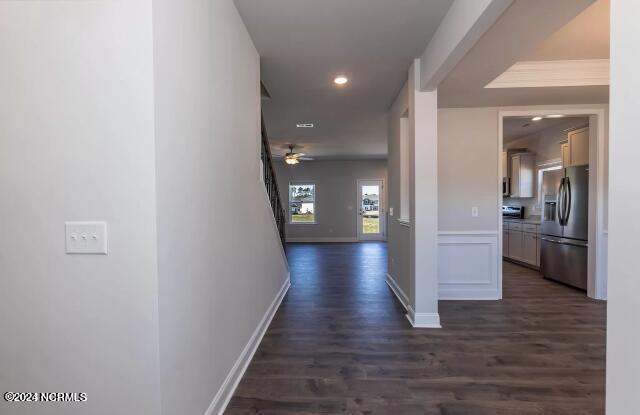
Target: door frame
{"x": 597, "y": 258}
{"x": 382, "y": 215}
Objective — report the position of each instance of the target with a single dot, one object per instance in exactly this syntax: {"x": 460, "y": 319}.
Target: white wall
{"x": 219, "y": 257}
{"x": 77, "y": 143}
{"x": 336, "y": 195}
{"x": 623, "y": 326}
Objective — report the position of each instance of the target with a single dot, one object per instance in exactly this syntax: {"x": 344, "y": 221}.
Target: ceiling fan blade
{"x": 299, "y": 154}
{"x": 306, "y": 158}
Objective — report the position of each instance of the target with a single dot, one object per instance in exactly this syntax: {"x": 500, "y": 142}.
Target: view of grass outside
{"x": 370, "y": 224}
{"x": 303, "y": 218}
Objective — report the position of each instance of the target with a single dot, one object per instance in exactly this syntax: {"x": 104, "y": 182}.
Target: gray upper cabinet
{"x": 578, "y": 142}
{"x": 522, "y": 175}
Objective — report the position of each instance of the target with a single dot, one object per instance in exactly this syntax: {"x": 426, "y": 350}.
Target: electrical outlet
{"x": 474, "y": 211}
{"x": 390, "y": 211}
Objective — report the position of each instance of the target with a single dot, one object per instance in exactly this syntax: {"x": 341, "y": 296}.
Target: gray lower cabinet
{"x": 521, "y": 242}
{"x": 530, "y": 248}
{"x": 515, "y": 245}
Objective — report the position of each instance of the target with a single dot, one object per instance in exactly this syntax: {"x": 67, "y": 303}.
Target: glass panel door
{"x": 370, "y": 210}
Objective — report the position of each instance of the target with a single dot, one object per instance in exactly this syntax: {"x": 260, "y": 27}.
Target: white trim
{"x": 468, "y": 265}
{"x": 597, "y": 279}
{"x": 317, "y": 240}
{"x": 423, "y": 320}
{"x": 472, "y": 233}
{"x": 397, "y": 290}
{"x": 222, "y": 398}
{"x": 536, "y": 74}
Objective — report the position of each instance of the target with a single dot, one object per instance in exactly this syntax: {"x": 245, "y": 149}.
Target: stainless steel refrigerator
{"x": 565, "y": 225}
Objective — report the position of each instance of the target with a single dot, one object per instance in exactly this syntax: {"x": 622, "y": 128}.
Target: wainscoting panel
{"x": 468, "y": 265}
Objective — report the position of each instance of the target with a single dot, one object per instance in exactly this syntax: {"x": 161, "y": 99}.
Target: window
{"x": 302, "y": 203}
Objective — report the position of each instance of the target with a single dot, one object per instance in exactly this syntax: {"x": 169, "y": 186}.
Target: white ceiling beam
{"x": 463, "y": 25}
{"x": 538, "y": 74}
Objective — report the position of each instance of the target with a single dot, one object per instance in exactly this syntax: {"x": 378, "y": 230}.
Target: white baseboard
{"x": 423, "y": 320}
{"x": 469, "y": 265}
{"x": 328, "y": 240}
{"x": 400, "y": 294}
{"x": 222, "y": 398}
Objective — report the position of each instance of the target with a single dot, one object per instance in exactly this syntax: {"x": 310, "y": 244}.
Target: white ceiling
{"x": 304, "y": 44}
{"x": 516, "y": 127}
{"x": 529, "y": 31}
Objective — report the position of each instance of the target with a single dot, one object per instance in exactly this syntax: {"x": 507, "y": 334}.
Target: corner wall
{"x": 220, "y": 262}
{"x": 77, "y": 143}
{"x": 398, "y": 233}
{"x": 623, "y": 325}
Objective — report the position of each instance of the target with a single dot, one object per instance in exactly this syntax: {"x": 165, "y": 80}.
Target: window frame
{"x": 315, "y": 199}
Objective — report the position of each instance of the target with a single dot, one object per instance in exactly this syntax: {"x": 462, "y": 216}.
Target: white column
{"x": 623, "y": 315}
{"x": 423, "y": 182}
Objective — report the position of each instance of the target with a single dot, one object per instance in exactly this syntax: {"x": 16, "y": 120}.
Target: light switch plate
{"x": 86, "y": 237}
{"x": 474, "y": 211}
{"x": 390, "y": 211}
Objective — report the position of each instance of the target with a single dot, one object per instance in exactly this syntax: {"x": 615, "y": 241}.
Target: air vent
{"x": 304, "y": 125}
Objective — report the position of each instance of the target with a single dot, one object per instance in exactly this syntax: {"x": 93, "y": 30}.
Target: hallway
{"x": 340, "y": 343}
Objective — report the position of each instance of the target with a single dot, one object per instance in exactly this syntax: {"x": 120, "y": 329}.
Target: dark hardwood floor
{"x": 340, "y": 343}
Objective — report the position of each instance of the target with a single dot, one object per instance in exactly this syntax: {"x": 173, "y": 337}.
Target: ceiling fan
{"x": 294, "y": 158}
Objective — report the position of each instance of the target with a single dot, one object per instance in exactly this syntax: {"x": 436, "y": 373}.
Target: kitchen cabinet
{"x": 575, "y": 151}
{"x": 515, "y": 245}
{"x": 564, "y": 151}
{"x": 521, "y": 242}
{"x": 530, "y": 248}
{"x": 522, "y": 175}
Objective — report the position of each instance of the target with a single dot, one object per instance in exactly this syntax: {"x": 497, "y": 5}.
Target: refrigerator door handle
{"x": 567, "y": 191}
{"x": 560, "y": 198}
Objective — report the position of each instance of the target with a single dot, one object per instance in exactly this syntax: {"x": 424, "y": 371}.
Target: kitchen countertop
{"x": 533, "y": 220}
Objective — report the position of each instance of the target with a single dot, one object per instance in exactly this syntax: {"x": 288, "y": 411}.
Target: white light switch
{"x": 474, "y": 211}
{"x": 390, "y": 211}
{"x": 86, "y": 237}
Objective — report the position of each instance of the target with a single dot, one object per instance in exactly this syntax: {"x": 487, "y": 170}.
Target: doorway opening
{"x": 552, "y": 195}
{"x": 371, "y": 217}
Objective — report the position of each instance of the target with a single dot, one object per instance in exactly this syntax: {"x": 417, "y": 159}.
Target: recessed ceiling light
{"x": 306, "y": 125}
{"x": 536, "y": 118}
{"x": 341, "y": 80}
{"x": 555, "y": 116}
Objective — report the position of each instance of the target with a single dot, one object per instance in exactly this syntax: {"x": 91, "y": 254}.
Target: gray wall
{"x": 398, "y": 238}
{"x": 220, "y": 260}
{"x": 336, "y": 194}
{"x": 77, "y": 143}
